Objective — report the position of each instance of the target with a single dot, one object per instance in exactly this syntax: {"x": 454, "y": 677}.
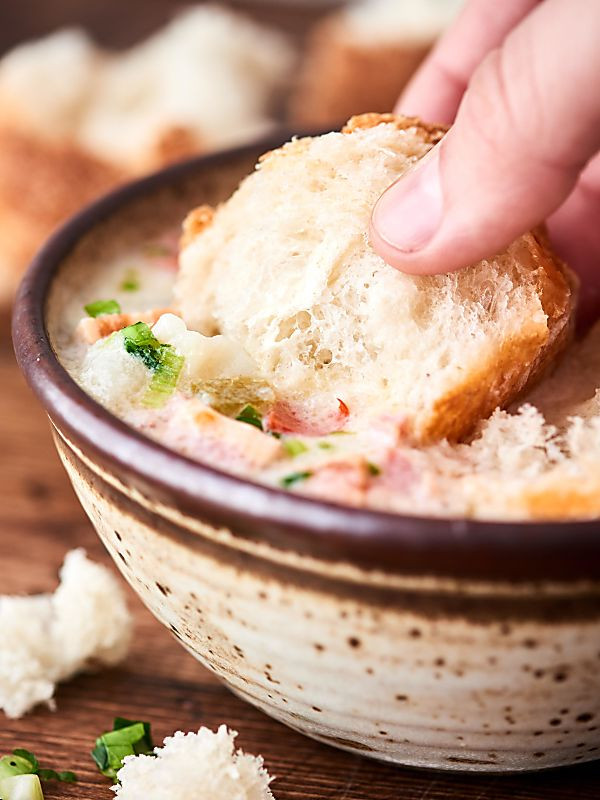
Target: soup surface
{"x": 125, "y": 344}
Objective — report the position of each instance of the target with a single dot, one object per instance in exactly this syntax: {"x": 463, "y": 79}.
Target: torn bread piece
{"x": 49, "y": 638}
{"x": 195, "y": 766}
{"x": 285, "y": 269}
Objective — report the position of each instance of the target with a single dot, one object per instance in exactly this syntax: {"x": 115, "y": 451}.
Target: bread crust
{"x": 560, "y": 496}
{"x": 342, "y": 76}
{"x": 521, "y": 362}
{"x": 196, "y": 221}
{"x": 430, "y": 132}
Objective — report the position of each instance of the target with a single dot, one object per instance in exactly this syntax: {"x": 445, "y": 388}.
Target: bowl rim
{"x": 456, "y": 548}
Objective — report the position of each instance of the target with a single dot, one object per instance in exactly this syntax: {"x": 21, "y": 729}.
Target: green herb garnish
{"x": 127, "y": 738}
{"x": 294, "y": 447}
{"x": 373, "y": 469}
{"x": 23, "y": 762}
{"x": 251, "y": 416}
{"x": 164, "y": 380}
{"x": 293, "y": 478}
{"x": 325, "y": 446}
{"x": 130, "y": 282}
{"x": 100, "y": 307}
{"x": 143, "y": 344}
{"x": 162, "y": 359}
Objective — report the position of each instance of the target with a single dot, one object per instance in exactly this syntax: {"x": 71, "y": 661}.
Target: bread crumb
{"x": 49, "y": 638}
{"x": 195, "y": 766}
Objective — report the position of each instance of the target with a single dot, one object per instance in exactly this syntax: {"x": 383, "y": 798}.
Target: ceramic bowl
{"x": 449, "y": 644}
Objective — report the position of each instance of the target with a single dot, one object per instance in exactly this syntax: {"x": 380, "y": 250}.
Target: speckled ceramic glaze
{"x": 434, "y": 643}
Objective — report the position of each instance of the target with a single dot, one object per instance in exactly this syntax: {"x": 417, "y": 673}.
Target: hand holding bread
{"x": 521, "y": 78}
{"x": 285, "y": 268}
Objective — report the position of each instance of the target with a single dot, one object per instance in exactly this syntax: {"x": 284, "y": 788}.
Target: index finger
{"x": 436, "y": 90}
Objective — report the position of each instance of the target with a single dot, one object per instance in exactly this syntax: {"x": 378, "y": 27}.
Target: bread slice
{"x": 75, "y": 119}
{"x": 363, "y": 56}
{"x": 285, "y": 268}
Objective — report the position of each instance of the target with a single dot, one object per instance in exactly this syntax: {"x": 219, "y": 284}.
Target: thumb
{"x": 527, "y": 125}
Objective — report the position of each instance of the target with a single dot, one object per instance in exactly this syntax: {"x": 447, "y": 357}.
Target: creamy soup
{"x": 124, "y": 343}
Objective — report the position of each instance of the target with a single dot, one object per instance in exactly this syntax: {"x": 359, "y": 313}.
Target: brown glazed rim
{"x": 454, "y": 548}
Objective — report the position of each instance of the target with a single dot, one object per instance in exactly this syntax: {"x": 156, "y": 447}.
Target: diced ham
{"x": 285, "y": 418}
{"x": 343, "y": 481}
{"x": 90, "y": 329}
{"x": 397, "y": 476}
{"x": 202, "y": 433}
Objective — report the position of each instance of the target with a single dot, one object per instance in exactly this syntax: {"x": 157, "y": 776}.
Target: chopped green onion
{"x": 100, "y": 307}
{"x": 251, "y": 416}
{"x": 294, "y": 447}
{"x": 128, "y": 738}
{"x": 293, "y": 478}
{"x": 164, "y": 380}
{"x": 52, "y": 775}
{"x": 160, "y": 358}
{"x": 143, "y": 344}
{"x": 23, "y": 762}
{"x": 17, "y": 764}
{"x": 21, "y": 787}
{"x": 373, "y": 469}
{"x": 130, "y": 282}
{"x": 325, "y": 446}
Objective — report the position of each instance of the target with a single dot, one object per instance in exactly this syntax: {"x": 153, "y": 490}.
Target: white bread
{"x": 362, "y": 57}
{"x": 76, "y": 120}
{"x": 195, "y": 766}
{"x": 285, "y": 269}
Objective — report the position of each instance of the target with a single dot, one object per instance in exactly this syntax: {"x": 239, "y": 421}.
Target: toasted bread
{"x": 285, "y": 268}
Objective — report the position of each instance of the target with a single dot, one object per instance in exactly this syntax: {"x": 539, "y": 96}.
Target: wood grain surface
{"x": 40, "y": 519}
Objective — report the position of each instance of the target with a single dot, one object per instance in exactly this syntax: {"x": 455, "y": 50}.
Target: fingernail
{"x": 408, "y": 214}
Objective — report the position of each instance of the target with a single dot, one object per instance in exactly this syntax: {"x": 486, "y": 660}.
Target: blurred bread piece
{"x": 362, "y": 57}
{"x": 210, "y": 76}
{"x": 285, "y": 269}
{"x": 76, "y": 120}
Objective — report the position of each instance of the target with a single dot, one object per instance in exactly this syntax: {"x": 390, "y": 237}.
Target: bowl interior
{"x": 132, "y": 215}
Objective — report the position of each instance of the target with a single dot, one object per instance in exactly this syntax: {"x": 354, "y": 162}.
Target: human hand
{"x": 522, "y": 78}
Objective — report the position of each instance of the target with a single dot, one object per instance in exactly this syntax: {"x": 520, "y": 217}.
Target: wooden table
{"x": 40, "y": 519}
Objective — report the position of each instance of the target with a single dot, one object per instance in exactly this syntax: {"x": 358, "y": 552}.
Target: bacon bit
{"x": 344, "y": 410}
{"x": 90, "y": 329}
{"x": 396, "y": 478}
{"x": 284, "y": 418}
